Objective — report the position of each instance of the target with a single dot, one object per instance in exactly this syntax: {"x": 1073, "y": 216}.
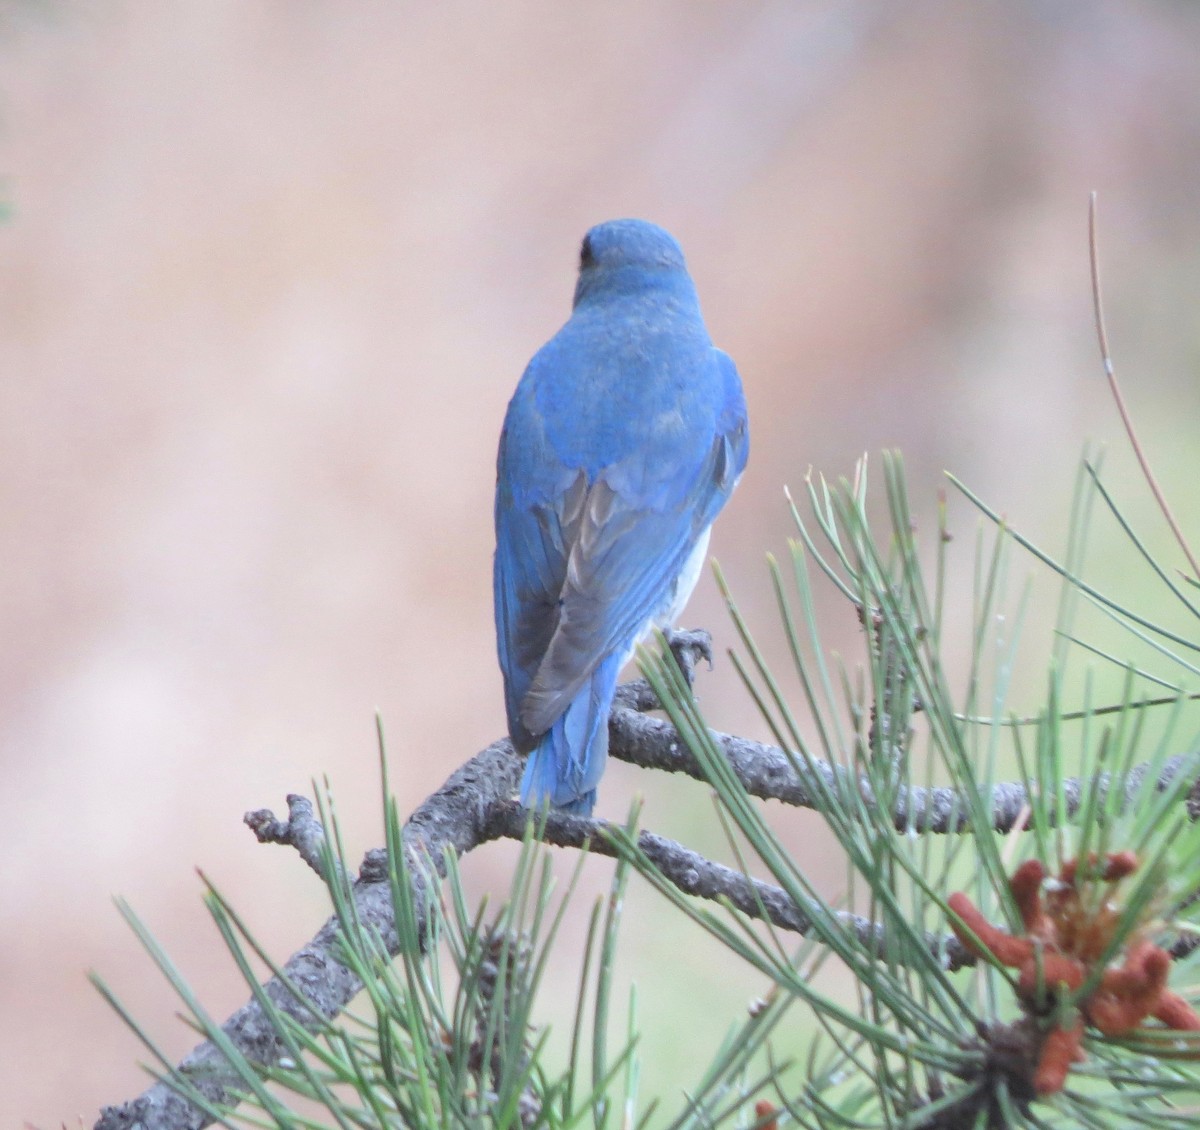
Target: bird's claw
{"x": 688, "y": 647}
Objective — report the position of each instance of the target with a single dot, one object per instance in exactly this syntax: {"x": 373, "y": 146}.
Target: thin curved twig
{"x": 1114, "y": 387}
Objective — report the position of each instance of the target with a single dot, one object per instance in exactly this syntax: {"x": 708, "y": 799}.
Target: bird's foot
{"x": 689, "y": 647}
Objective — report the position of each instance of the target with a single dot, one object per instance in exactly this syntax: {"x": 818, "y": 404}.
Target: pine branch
{"x": 475, "y": 806}
{"x": 766, "y": 772}
{"x": 453, "y": 818}
{"x": 695, "y": 874}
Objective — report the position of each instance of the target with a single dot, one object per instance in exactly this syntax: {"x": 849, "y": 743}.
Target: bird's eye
{"x": 585, "y": 255}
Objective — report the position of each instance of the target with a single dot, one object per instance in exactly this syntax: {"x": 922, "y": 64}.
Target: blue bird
{"x": 624, "y": 438}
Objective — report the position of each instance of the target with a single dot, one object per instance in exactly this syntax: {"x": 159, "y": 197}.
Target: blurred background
{"x": 269, "y": 272}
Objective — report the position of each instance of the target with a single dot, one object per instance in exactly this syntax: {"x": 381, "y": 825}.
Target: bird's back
{"x": 633, "y": 382}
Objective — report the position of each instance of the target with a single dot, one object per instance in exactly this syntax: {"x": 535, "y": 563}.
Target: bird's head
{"x": 625, "y": 256}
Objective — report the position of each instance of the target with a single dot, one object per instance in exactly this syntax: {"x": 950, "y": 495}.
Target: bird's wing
{"x": 622, "y": 556}
{"x": 532, "y": 546}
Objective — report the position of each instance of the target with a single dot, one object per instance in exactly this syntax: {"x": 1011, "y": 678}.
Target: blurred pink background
{"x": 269, "y": 274}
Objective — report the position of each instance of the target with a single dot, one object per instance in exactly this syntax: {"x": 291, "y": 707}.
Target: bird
{"x": 626, "y": 434}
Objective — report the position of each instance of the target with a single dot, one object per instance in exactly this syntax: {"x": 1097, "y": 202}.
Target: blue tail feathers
{"x": 567, "y": 763}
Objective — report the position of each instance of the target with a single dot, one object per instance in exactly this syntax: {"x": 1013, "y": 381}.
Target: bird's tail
{"x": 568, "y": 761}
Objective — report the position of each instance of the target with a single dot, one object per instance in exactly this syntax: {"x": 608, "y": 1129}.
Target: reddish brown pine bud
{"x": 1004, "y": 947}
{"x": 1059, "y": 1052}
{"x": 763, "y": 1109}
{"x": 1026, "y": 887}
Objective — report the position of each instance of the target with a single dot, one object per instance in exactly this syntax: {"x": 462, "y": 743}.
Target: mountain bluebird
{"x": 626, "y": 435}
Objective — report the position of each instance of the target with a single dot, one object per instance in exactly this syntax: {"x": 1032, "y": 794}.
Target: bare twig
{"x": 301, "y": 830}
{"x": 694, "y": 874}
{"x": 1111, "y": 373}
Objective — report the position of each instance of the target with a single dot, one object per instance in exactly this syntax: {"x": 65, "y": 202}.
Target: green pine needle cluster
{"x": 930, "y": 1045}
